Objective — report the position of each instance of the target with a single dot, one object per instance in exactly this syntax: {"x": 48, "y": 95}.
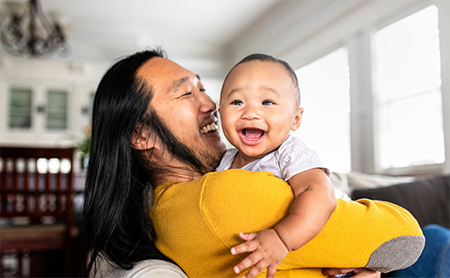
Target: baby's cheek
{"x": 229, "y": 134}
{"x": 227, "y": 125}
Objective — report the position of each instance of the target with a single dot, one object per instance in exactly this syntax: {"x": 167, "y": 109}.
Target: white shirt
{"x": 290, "y": 159}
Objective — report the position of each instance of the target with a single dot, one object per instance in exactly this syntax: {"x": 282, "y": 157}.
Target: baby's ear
{"x": 297, "y": 119}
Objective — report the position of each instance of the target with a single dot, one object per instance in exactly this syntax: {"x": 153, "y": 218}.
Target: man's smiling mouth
{"x": 209, "y": 128}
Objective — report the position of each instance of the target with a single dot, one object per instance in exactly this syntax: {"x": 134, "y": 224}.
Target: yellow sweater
{"x": 197, "y": 223}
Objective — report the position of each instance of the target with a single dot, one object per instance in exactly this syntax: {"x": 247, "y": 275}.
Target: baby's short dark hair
{"x": 268, "y": 58}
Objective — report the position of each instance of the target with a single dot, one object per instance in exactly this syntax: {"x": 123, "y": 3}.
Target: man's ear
{"x": 297, "y": 120}
{"x": 139, "y": 141}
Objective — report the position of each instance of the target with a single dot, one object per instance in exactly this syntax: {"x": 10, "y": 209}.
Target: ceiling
{"x": 106, "y": 29}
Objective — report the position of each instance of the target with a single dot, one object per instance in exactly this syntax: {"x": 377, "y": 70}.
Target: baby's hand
{"x": 268, "y": 251}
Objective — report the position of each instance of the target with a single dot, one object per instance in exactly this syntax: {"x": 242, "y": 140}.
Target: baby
{"x": 259, "y": 105}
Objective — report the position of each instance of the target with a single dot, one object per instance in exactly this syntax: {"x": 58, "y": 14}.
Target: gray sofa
{"x": 428, "y": 199}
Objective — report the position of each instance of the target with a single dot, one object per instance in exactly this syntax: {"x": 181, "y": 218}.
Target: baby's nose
{"x": 250, "y": 114}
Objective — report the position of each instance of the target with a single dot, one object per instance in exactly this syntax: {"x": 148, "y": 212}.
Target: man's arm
{"x": 362, "y": 233}
{"x": 201, "y": 219}
{"x": 312, "y": 207}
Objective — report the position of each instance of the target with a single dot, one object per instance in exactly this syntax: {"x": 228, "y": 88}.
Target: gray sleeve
{"x": 156, "y": 269}
{"x": 158, "y": 273}
{"x": 144, "y": 269}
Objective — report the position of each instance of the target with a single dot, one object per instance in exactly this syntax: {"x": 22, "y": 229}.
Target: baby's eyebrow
{"x": 265, "y": 88}
{"x": 233, "y": 91}
{"x": 274, "y": 91}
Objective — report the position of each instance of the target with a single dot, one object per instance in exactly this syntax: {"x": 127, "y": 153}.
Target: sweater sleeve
{"x": 155, "y": 269}
{"x": 144, "y": 269}
{"x": 376, "y": 235}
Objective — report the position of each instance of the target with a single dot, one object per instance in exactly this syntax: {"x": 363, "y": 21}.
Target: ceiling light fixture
{"x": 28, "y": 31}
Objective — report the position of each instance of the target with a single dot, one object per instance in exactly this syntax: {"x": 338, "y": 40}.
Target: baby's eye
{"x": 267, "y": 102}
{"x": 236, "y": 102}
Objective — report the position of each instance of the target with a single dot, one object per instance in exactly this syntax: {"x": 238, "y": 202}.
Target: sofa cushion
{"x": 427, "y": 199}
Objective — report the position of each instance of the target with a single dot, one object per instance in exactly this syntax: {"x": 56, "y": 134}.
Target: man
{"x": 156, "y": 107}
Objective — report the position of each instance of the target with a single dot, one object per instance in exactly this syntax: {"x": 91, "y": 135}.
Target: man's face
{"x": 188, "y": 112}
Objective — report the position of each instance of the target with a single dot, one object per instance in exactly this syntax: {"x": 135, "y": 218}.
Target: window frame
{"x": 413, "y": 169}
{"x": 363, "y": 121}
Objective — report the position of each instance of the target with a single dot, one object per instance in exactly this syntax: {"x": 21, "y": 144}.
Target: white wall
{"x": 297, "y": 31}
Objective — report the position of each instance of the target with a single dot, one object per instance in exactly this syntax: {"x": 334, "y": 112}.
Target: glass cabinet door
{"x": 57, "y": 110}
{"x": 20, "y": 105}
{"x": 54, "y": 111}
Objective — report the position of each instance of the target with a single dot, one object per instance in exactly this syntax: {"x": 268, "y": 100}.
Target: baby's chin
{"x": 255, "y": 153}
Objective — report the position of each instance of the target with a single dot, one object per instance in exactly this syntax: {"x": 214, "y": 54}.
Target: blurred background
{"x": 374, "y": 75}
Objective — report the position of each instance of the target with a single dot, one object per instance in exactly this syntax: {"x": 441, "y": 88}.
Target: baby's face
{"x": 258, "y": 107}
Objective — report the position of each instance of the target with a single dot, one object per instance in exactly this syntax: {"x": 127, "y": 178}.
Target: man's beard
{"x": 209, "y": 160}
{"x": 201, "y": 160}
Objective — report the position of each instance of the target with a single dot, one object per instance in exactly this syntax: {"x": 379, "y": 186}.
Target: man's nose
{"x": 207, "y": 105}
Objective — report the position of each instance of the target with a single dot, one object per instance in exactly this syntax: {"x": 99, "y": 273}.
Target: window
{"x": 407, "y": 87}
{"x": 20, "y": 103}
{"x": 324, "y": 87}
{"x": 57, "y": 109}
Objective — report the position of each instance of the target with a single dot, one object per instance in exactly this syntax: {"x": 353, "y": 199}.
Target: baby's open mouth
{"x": 252, "y": 134}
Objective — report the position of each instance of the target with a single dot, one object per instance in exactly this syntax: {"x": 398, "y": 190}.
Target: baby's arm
{"x": 313, "y": 205}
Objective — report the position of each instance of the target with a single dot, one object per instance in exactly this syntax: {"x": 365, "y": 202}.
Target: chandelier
{"x": 28, "y": 31}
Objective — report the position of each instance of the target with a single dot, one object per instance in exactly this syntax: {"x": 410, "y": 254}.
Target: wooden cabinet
{"x": 37, "y": 192}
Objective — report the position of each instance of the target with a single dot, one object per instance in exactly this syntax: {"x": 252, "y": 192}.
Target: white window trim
{"x": 444, "y": 33}
{"x": 372, "y": 16}
{"x": 364, "y": 145}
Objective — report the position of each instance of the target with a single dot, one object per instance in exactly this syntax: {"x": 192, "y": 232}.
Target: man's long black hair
{"x": 117, "y": 226}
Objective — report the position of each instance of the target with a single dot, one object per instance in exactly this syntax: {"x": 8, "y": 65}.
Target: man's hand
{"x": 268, "y": 251}
{"x": 356, "y": 272}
